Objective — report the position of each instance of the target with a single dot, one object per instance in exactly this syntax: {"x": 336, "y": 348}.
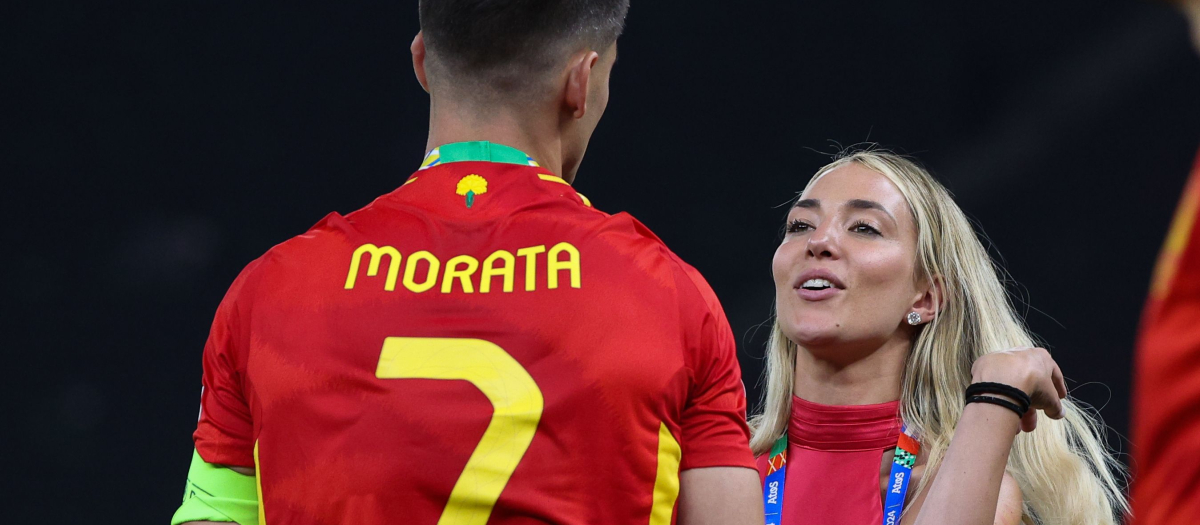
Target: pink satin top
{"x": 833, "y": 463}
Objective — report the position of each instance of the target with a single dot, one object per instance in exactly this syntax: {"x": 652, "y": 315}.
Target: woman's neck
{"x": 874, "y": 378}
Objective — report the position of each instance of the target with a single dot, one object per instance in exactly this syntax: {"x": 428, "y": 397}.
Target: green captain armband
{"x": 215, "y": 493}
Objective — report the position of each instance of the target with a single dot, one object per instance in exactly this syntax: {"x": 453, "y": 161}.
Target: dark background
{"x": 157, "y": 147}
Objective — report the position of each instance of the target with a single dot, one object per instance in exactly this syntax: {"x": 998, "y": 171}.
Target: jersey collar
{"x": 478, "y": 151}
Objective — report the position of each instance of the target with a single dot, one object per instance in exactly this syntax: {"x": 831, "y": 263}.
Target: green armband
{"x": 215, "y": 493}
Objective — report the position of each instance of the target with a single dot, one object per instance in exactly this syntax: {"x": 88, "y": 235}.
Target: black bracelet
{"x": 999, "y": 402}
{"x": 1016, "y": 394}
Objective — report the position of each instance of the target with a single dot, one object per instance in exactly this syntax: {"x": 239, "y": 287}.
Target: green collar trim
{"x": 478, "y": 151}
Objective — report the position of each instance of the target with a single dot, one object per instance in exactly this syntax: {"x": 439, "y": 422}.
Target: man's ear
{"x": 418, "y": 57}
{"x": 930, "y": 303}
{"x": 579, "y": 75}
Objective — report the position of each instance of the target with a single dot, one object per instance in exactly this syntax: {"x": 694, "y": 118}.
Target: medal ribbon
{"x": 776, "y": 476}
{"x": 907, "y": 449}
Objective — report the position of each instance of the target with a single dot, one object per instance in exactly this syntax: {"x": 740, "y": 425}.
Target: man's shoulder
{"x": 622, "y": 230}
{"x": 336, "y": 231}
{"x": 328, "y": 231}
{"x": 628, "y": 236}
{"x": 306, "y": 253}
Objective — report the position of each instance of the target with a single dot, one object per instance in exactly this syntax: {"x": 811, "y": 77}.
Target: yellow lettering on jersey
{"x": 490, "y": 270}
{"x": 666, "y": 482}
{"x": 463, "y": 275}
{"x": 530, "y": 255}
{"x": 462, "y": 268}
{"x": 553, "y": 265}
{"x": 376, "y": 254}
{"x": 517, "y": 406}
{"x": 410, "y": 271}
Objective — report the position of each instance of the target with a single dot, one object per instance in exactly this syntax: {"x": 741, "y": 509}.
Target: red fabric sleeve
{"x": 1166, "y": 401}
{"x": 225, "y": 433}
{"x": 714, "y": 432}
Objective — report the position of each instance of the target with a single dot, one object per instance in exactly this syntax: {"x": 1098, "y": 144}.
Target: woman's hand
{"x": 1033, "y": 371}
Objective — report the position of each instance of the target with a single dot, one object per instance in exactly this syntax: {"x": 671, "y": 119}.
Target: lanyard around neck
{"x": 907, "y": 449}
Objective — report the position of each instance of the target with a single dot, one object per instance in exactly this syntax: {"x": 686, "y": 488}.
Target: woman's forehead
{"x": 855, "y": 182}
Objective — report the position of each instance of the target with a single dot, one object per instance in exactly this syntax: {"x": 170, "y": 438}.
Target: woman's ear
{"x": 932, "y": 299}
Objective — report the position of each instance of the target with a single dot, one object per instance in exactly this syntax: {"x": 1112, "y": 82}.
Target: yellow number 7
{"x": 517, "y": 407}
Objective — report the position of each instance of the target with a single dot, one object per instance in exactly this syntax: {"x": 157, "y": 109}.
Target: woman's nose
{"x": 822, "y": 244}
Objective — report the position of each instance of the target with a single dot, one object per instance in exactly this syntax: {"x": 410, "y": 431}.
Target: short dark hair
{"x": 501, "y": 43}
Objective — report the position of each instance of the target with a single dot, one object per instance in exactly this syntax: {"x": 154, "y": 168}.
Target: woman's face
{"x": 845, "y": 272}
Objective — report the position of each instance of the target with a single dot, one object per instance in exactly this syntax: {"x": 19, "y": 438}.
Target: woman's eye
{"x": 797, "y": 225}
{"x": 862, "y": 227}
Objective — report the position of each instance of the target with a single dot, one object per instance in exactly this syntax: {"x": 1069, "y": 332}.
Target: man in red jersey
{"x": 1166, "y": 402}
{"x": 480, "y": 345}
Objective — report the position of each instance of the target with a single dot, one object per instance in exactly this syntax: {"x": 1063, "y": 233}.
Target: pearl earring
{"x": 914, "y": 318}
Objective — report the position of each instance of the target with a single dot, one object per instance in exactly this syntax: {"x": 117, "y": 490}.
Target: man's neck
{"x": 874, "y": 378}
{"x": 452, "y": 124}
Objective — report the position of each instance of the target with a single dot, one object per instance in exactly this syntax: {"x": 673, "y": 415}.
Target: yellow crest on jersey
{"x": 470, "y": 186}
{"x": 472, "y": 183}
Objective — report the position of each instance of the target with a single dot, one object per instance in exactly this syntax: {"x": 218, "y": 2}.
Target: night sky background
{"x": 155, "y": 148}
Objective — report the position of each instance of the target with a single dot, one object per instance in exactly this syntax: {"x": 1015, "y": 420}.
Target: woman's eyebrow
{"x": 858, "y": 204}
{"x": 863, "y": 204}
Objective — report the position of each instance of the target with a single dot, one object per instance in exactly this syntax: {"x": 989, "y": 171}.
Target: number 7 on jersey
{"x": 517, "y": 407}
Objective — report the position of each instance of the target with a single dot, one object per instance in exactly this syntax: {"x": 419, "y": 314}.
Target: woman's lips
{"x": 817, "y": 295}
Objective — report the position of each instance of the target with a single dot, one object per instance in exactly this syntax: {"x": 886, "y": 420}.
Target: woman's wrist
{"x": 1002, "y": 395}
{"x": 1015, "y": 408}
{"x": 986, "y": 392}
{"x": 988, "y": 417}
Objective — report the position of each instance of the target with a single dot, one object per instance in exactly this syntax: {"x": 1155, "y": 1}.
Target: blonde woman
{"x": 901, "y": 385}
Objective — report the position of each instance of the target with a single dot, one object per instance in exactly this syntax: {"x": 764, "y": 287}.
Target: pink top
{"x": 834, "y": 459}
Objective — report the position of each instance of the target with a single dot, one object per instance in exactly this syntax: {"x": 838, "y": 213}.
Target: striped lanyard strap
{"x": 907, "y": 449}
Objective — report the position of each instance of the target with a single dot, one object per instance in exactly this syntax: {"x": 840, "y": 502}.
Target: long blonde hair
{"x": 1066, "y": 473}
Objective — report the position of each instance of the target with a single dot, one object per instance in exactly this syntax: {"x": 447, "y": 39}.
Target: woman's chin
{"x": 812, "y": 335}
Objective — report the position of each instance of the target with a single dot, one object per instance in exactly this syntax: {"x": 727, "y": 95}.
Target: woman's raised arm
{"x": 970, "y": 486}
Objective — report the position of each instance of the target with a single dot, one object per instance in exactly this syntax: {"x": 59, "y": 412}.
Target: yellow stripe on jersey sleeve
{"x": 666, "y": 483}
{"x": 262, "y": 513}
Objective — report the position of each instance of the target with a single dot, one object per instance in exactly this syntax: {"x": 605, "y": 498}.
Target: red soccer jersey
{"x": 478, "y": 346}
{"x": 1166, "y": 402}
